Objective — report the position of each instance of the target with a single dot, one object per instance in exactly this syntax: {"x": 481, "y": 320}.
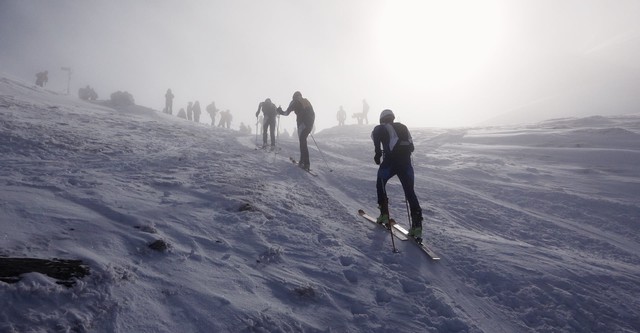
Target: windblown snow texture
{"x": 537, "y": 226}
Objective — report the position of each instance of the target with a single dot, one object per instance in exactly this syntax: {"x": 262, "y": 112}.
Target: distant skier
{"x": 212, "y": 110}
{"x": 228, "y": 119}
{"x": 196, "y": 111}
{"x": 365, "y": 111}
{"x": 305, "y": 117}
{"x": 168, "y": 102}
{"x": 269, "y": 121}
{"x": 341, "y": 116}
{"x": 225, "y": 119}
{"x": 42, "y": 78}
{"x": 190, "y": 111}
{"x": 87, "y": 94}
{"x": 397, "y": 146}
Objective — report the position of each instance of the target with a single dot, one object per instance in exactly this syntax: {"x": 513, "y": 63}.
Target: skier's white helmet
{"x": 387, "y": 116}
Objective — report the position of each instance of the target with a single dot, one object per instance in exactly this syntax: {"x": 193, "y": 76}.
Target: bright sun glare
{"x": 436, "y": 44}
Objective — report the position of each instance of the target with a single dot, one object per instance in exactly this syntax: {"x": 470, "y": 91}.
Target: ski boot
{"x": 416, "y": 226}
{"x": 304, "y": 166}
{"x": 384, "y": 220}
{"x": 384, "y": 214}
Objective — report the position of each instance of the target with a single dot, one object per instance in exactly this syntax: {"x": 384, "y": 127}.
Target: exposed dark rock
{"x": 63, "y": 270}
{"x": 159, "y": 245}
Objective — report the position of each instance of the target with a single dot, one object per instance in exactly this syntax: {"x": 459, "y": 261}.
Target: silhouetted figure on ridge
{"x": 196, "y": 111}
{"x": 87, "y": 94}
{"x": 213, "y": 111}
{"x": 341, "y": 116}
{"x": 269, "y": 121}
{"x": 42, "y": 78}
{"x": 190, "y": 111}
{"x": 365, "y": 111}
{"x": 168, "y": 102}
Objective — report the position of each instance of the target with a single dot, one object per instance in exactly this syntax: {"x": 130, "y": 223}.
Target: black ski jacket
{"x": 393, "y": 141}
{"x": 269, "y": 110}
{"x": 304, "y": 112}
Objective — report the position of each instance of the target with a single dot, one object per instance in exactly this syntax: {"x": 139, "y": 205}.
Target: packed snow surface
{"x": 537, "y": 226}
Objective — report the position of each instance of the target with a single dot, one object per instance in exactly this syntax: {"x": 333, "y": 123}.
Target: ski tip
{"x": 361, "y": 212}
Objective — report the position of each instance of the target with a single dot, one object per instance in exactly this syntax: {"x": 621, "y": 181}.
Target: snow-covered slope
{"x": 537, "y": 226}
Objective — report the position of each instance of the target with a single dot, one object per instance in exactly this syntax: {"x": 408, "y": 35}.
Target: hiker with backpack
{"x": 305, "y": 117}
{"x": 269, "y": 121}
{"x": 212, "y": 110}
{"x": 393, "y": 143}
{"x": 168, "y": 102}
{"x": 42, "y": 78}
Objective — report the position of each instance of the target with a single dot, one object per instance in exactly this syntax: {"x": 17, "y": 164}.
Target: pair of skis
{"x": 402, "y": 234}
{"x": 293, "y": 160}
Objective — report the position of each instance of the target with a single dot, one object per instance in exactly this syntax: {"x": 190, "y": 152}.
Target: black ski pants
{"x": 269, "y": 122}
{"x": 404, "y": 170}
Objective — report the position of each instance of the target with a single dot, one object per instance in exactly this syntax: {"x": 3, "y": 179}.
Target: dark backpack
{"x": 404, "y": 145}
{"x": 269, "y": 109}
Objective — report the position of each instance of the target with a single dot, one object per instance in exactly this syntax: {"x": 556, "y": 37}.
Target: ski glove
{"x": 377, "y": 158}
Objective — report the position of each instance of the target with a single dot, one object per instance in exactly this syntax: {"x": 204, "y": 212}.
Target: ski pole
{"x": 408, "y": 214}
{"x": 278, "y": 130}
{"x": 257, "y": 121}
{"x": 393, "y": 241}
{"x": 385, "y": 206}
{"x": 275, "y": 144}
{"x": 321, "y": 154}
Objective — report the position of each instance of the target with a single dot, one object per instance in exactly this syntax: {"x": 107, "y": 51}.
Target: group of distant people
{"x": 193, "y": 111}
{"x": 393, "y": 144}
{"x": 305, "y": 119}
{"x": 361, "y": 117}
{"x": 86, "y": 94}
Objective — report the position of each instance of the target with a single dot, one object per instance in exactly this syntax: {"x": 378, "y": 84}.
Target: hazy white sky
{"x": 435, "y": 63}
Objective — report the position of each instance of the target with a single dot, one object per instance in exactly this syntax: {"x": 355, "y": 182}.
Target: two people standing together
{"x": 305, "y": 118}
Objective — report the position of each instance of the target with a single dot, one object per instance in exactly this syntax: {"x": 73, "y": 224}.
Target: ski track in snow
{"x": 537, "y": 226}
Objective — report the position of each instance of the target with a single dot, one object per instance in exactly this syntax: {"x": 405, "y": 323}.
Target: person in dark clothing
{"x": 42, "y": 78}
{"x": 212, "y": 110}
{"x": 87, "y": 94}
{"x": 196, "y": 111}
{"x": 341, "y": 116}
{"x": 190, "y": 111}
{"x": 227, "y": 119}
{"x": 269, "y": 121}
{"x": 305, "y": 117}
{"x": 393, "y": 143}
{"x": 168, "y": 104}
{"x": 365, "y": 111}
